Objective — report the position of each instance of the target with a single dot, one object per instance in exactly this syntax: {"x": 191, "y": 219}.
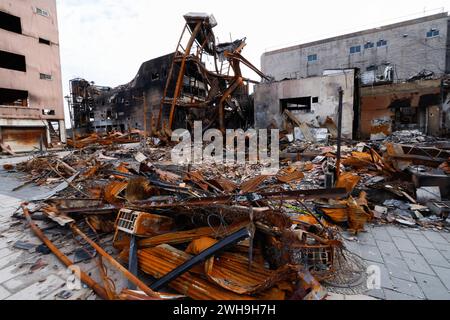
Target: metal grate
{"x": 126, "y": 221}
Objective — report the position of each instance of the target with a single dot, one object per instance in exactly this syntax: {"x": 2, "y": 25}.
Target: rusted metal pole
{"x": 159, "y": 125}
{"x": 116, "y": 264}
{"x": 339, "y": 137}
{"x": 145, "y": 116}
{"x": 99, "y": 290}
{"x": 181, "y": 74}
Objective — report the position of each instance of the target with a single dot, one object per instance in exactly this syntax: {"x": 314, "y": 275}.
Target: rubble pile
{"x": 229, "y": 226}
{"x": 223, "y": 231}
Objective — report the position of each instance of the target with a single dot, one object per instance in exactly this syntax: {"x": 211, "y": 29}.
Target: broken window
{"x": 155, "y": 76}
{"x": 297, "y": 104}
{"x": 10, "y": 23}
{"x": 42, "y": 12}
{"x": 48, "y": 112}
{"x": 405, "y": 117}
{"x": 44, "y": 41}
{"x": 369, "y": 45}
{"x": 12, "y": 61}
{"x": 355, "y": 49}
{"x": 10, "y": 97}
{"x": 44, "y": 76}
{"x": 382, "y": 43}
{"x": 432, "y": 33}
{"x": 312, "y": 58}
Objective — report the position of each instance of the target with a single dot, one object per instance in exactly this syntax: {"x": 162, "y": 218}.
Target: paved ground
{"x": 414, "y": 264}
{"x": 27, "y": 275}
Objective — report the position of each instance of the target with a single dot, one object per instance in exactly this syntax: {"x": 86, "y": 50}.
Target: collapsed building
{"x": 172, "y": 91}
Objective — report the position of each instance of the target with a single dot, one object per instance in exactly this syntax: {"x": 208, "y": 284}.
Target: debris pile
{"x": 196, "y": 232}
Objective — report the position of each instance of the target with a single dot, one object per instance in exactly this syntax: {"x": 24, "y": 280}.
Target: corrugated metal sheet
{"x": 188, "y": 236}
{"x": 231, "y": 271}
{"x": 160, "y": 260}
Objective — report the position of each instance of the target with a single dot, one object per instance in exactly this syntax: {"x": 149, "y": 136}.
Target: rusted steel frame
{"x": 282, "y": 195}
{"x": 99, "y": 290}
{"x": 239, "y": 57}
{"x": 116, "y": 264}
{"x": 339, "y": 137}
{"x": 185, "y": 267}
{"x": 169, "y": 77}
{"x": 181, "y": 74}
{"x": 225, "y": 96}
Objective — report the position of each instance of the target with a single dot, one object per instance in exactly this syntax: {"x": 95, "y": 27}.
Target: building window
{"x": 10, "y": 97}
{"x": 312, "y": 57}
{"x": 155, "y": 76}
{"x": 297, "y": 104}
{"x": 433, "y": 33}
{"x": 42, "y": 12}
{"x": 10, "y": 23}
{"x": 355, "y": 49}
{"x": 44, "y": 76}
{"x": 382, "y": 43}
{"x": 369, "y": 45}
{"x": 44, "y": 41}
{"x": 48, "y": 112}
{"x": 315, "y": 100}
{"x": 12, "y": 61}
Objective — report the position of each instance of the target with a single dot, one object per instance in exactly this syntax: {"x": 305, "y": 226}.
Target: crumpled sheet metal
{"x": 190, "y": 235}
{"x": 348, "y": 181}
{"x": 53, "y": 192}
{"x": 161, "y": 260}
{"x": 225, "y": 184}
{"x": 113, "y": 189}
{"x": 231, "y": 272}
{"x": 290, "y": 175}
{"x": 253, "y": 184}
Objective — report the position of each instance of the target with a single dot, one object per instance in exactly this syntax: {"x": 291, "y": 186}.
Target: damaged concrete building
{"x": 174, "y": 90}
{"x": 31, "y": 98}
{"x": 400, "y": 80}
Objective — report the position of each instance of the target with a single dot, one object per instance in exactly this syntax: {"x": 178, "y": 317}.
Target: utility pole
{"x": 72, "y": 122}
{"x": 145, "y": 115}
{"x": 339, "y": 137}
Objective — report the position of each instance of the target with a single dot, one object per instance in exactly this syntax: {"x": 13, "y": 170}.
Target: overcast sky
{"x": 106, "y": 41}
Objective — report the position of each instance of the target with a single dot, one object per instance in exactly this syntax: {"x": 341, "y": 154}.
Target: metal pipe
{"x": 131, "y": 277}
{"x": 99, "y": 290}
{"x": 339, "y": 137}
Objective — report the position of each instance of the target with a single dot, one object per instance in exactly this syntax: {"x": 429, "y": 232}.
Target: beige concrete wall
{"x": 40, "y": 58}
{"x": 268, "y": 111}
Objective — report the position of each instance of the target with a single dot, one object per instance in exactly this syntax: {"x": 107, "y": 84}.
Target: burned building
{"x": 400, "y": 80}
{"x": 312, "y": 102}
{"x": 202, "y": 80}
{"x": 388, "y": 53}
{"x": 422, "y": 105}
{"x": 31, "y": 98}
{"x": 104, "y": 109}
